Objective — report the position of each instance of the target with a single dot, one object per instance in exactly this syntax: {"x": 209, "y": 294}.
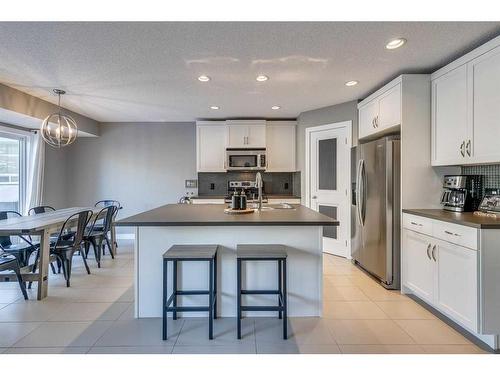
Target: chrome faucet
{"x": 258, "y": 182}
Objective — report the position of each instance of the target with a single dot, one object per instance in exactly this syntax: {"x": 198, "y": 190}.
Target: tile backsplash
{"x": 283, "y": 183}
{"x": 491, "y": 174}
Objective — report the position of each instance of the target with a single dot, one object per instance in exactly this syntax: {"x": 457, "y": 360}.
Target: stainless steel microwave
{"x": 246, "y": 159}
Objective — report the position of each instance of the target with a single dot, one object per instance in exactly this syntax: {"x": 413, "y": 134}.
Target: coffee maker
{"x": 462, "y": 193}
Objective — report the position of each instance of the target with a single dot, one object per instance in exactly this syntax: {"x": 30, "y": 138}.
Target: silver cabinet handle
{"x": 451, "y": 233}
{"x": 314, "y": 197}
{"x": 462, "y": 149}
{"x": 376, "y": 121}
{"x": 417, "y": 224}
{"x": 373, "y": 122}
{"x": 468, "y": 147}
{"x": 428, "y": 249}
{"x": 433, "y": 253}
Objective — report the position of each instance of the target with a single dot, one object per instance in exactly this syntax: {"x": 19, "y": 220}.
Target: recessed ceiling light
{"x": 203, "y": 78}
{"x": 395, "y": 43}
{"x": 261, "y": 78}
{"x": 275, "y": 107}
{"x": 351, "y": 83}
{"x": 214, "y": 107}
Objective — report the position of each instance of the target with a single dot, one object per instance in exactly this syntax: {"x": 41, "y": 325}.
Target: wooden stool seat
{"x": 191, "y": 251}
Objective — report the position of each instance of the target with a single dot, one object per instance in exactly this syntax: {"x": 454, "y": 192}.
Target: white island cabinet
{"x": 455, "y": 269}
{"x": 299, "y": 229}
{"x": 466, "y": 108}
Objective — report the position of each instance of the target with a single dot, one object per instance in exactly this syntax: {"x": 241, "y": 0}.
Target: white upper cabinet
{"x": 449, "y": 117}
{"x": 466, "y": 108}
{"x": 389, "y": 108}
{"x": 367, "y": 116}
{"x": 246, "y": 133}
{"x": 381, "y": 111}
{"x": 280, "y": 152}
{"x": 210, "y": 146}
{"x": 485, "y": 74}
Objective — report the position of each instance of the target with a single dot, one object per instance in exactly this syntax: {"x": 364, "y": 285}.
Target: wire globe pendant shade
{"x": 59, "y": 130}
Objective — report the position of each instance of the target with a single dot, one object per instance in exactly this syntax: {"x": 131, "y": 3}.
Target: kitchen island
{"x": 299, "y": 228}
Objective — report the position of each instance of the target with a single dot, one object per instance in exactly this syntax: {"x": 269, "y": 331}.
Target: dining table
{"x": 43, "y": 225}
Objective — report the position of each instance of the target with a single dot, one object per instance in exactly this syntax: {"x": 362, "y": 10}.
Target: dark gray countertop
{"x": 213, "y": 215}
{"x": 270, "y": 196}
{"x": 462, "y": 218}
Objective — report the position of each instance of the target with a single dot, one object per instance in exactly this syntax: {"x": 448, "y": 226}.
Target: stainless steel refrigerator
{"x": 376, "y": 223}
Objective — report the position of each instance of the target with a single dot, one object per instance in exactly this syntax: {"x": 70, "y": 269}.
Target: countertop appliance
{"x": 247, "y": 188}
{"x": 375, "y": 207}
{"x": 461, "y": 193}
{"x": 246, "y": 159}
{"x": 490, "y": 204}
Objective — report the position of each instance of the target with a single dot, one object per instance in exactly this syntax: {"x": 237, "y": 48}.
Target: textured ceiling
{"x": 148, "y": 71}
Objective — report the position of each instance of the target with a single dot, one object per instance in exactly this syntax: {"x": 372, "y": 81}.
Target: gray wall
{"x": 55, "y": 178}
{"x": 143, "y": 165}
{"x": 336, "y": 113}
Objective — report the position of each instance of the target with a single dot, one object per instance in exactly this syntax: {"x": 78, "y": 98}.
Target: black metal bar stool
{"x": 190, "y": 253}
{"x": 265, "y": 253}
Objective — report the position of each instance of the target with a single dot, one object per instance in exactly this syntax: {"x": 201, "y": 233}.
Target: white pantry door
{"x": 327, "y": 179}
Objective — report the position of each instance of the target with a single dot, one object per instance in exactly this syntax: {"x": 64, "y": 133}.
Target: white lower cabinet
{"x": 443, "y": 274}
{"x": 457, "y": 283}
{"x": 419, "y": 266}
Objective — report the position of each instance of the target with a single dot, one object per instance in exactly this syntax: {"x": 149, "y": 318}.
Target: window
{"x": 12, "y": 171}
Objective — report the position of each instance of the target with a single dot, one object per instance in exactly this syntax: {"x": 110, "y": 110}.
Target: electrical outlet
{"x": 212, "y": 186}
{"x": 191, "y": 184}
{"x": 286, "y": 185}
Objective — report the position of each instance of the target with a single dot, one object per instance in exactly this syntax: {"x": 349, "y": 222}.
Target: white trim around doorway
{"x": 332, "y": 126}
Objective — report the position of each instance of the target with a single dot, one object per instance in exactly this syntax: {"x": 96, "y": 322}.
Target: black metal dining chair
{"x": 9, "y": 263}
{"x": 23, "y": 247}
{"x": 96, "y": 234}
{"x": 40, "y": 210}
{"x": 107, "y": 203}
{"x": 65, "y": 247}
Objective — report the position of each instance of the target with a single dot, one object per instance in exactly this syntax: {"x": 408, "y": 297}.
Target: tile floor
{"x": 95, "y": 315}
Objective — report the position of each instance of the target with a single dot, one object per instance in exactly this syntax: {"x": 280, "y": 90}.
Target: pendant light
{"x": 59, "y": 130}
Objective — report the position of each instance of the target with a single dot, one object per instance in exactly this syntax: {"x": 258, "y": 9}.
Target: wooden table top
{"x": 38, "y": 222}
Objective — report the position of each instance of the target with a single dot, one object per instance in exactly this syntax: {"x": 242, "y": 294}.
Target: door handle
{"x": 428, "y": 251}
{"x": 314, "y": 197}
{"x": 358, "y": 193}
{"x": 433, "y": 253}
{"x": 362, "y": 188}
{"x": 468, "y": 147}
{"x": 462, "y": 149}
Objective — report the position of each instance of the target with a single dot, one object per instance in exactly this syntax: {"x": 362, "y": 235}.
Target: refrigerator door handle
{"x": 362, "y": 194}
{"x": 358, "y": 192}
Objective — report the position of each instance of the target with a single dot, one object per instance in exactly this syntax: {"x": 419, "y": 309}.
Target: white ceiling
{"x": 148, "y": 71}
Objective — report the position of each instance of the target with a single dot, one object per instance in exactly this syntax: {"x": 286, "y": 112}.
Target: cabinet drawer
{"x": 418, "y": 224}
{"x": 454, "y": 233}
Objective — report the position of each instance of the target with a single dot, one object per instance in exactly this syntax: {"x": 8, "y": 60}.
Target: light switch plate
{"x": 192, "y": 184}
